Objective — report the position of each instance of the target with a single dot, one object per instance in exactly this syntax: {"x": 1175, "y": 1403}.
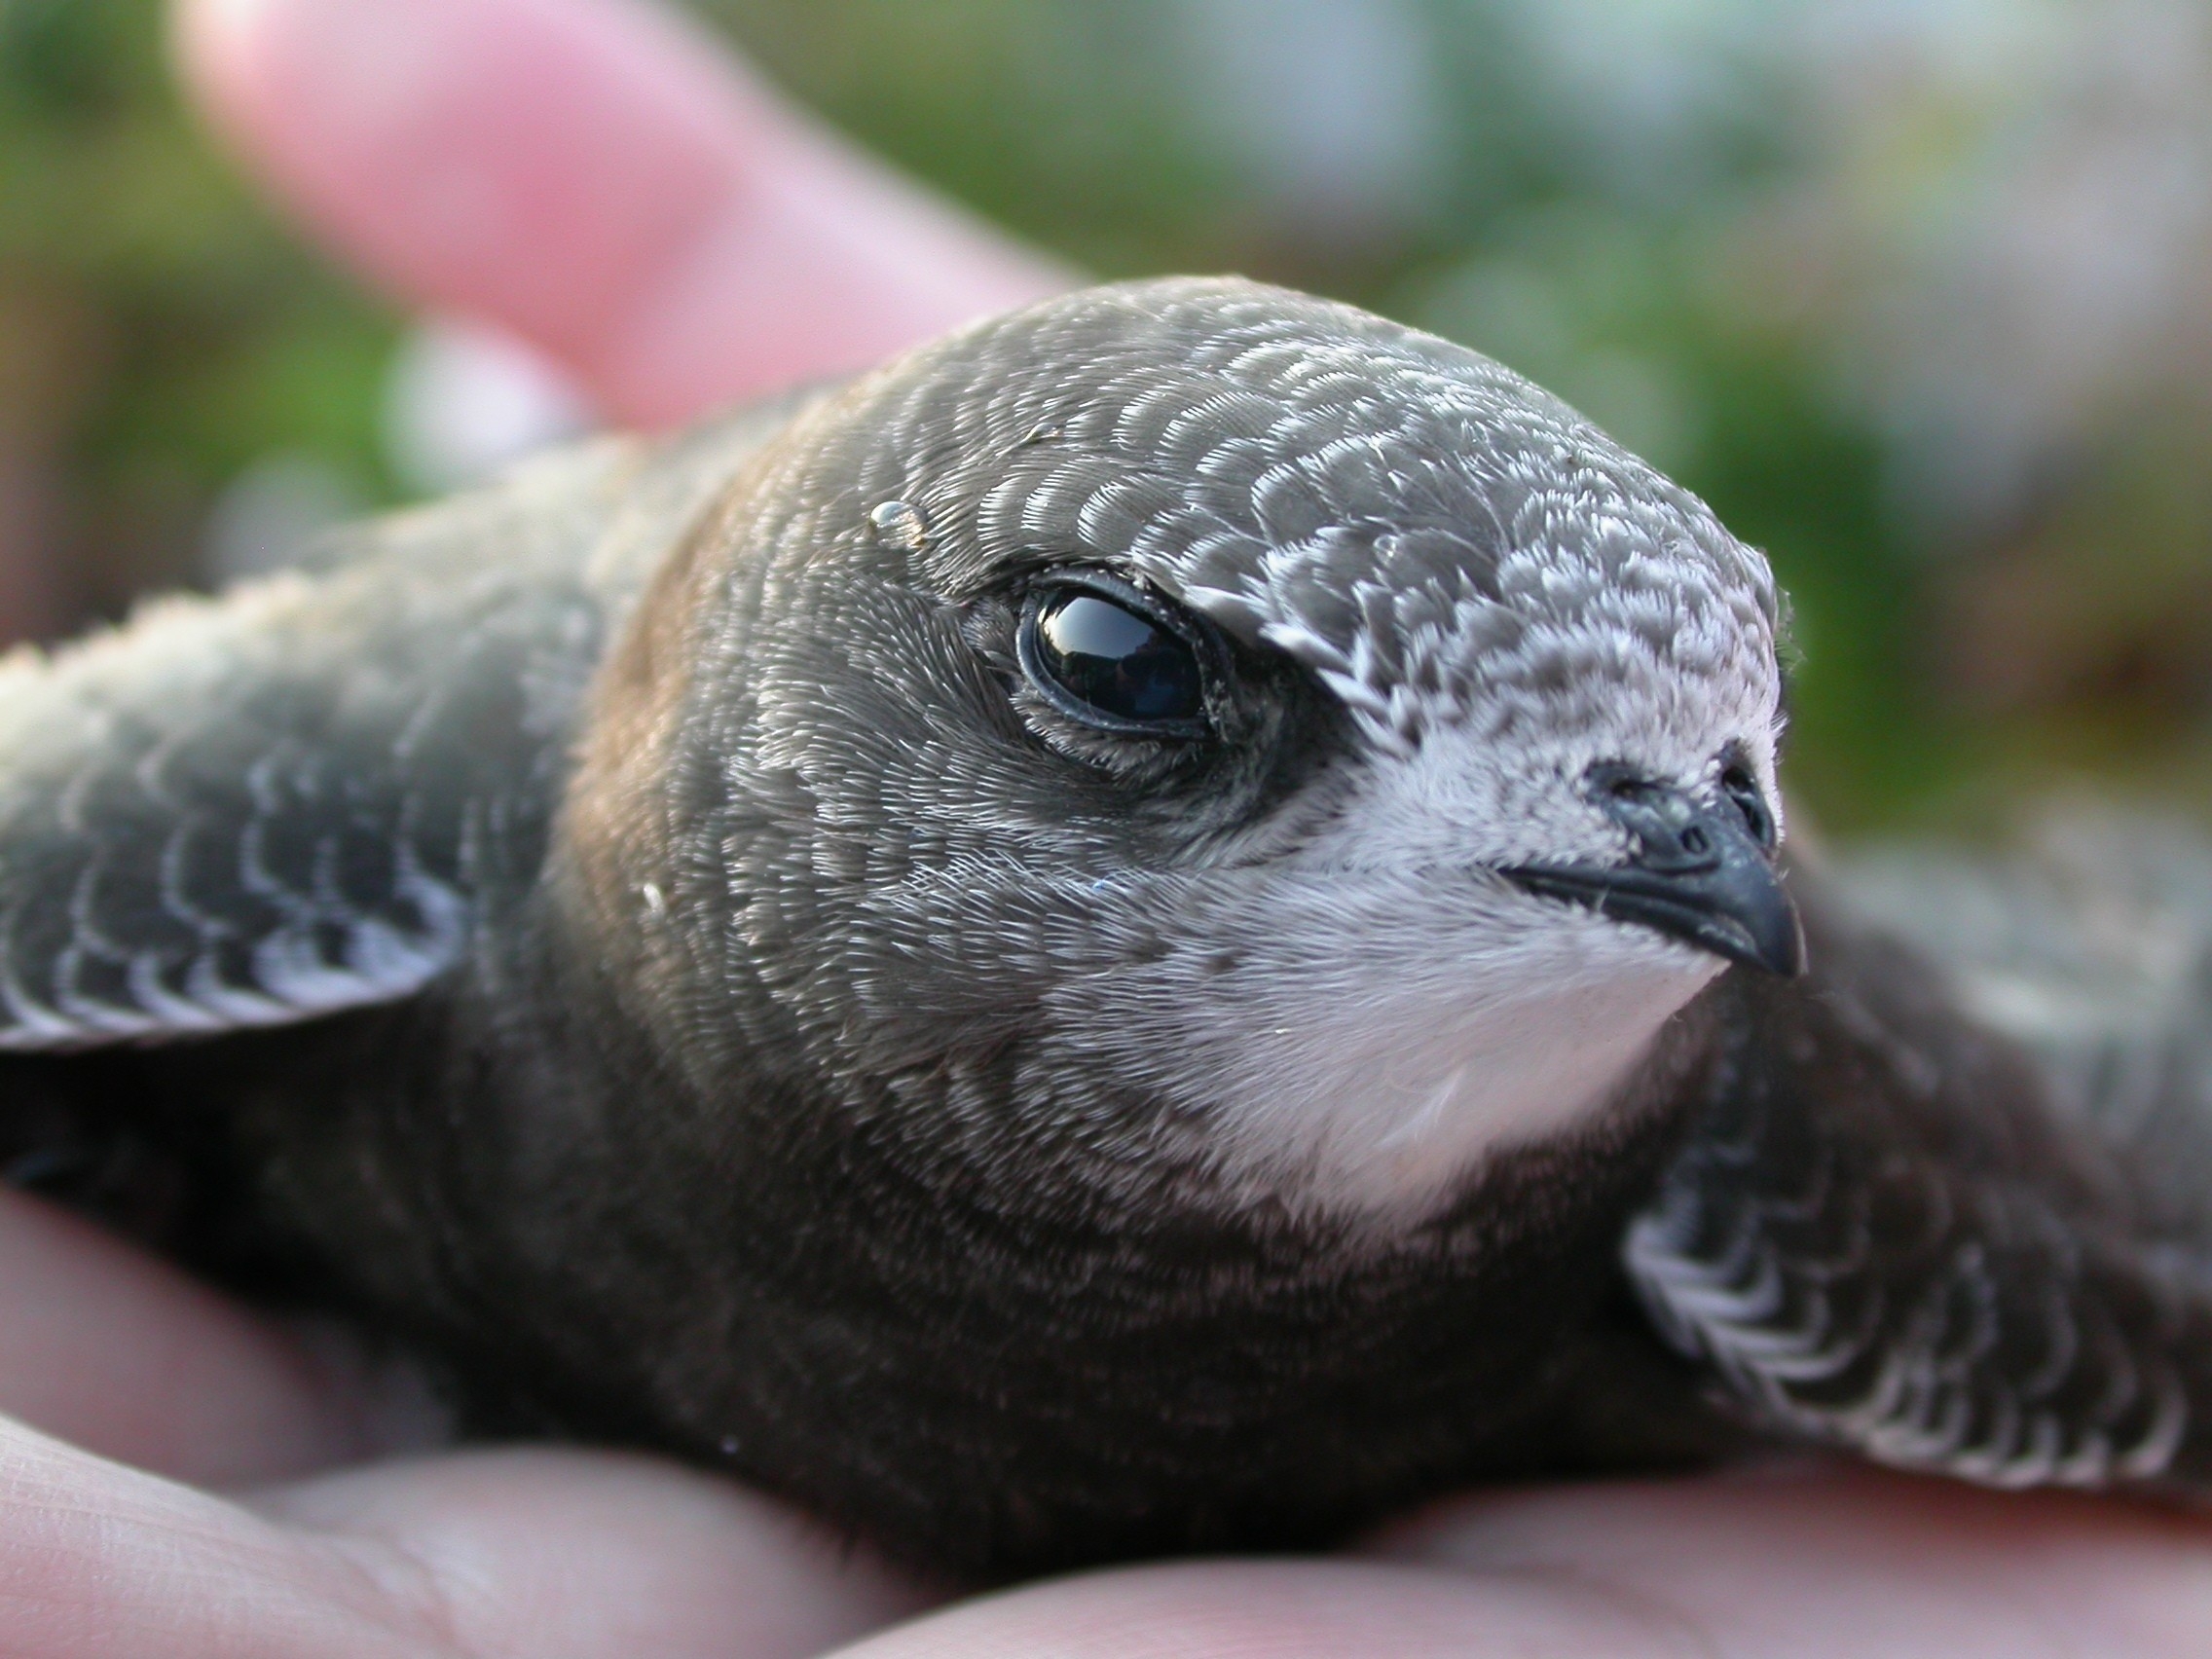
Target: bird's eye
{"x": 1743, "y": 790}
{"x": 1115, "y": 658}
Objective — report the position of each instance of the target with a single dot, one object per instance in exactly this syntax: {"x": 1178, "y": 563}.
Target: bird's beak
{"x": 1698, "y": 875}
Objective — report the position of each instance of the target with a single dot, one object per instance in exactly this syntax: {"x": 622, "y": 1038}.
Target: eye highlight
{"x": 1103, "y": 652}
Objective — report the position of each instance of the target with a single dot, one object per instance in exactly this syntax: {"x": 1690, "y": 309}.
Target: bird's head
{"x": 1191, "y": 714}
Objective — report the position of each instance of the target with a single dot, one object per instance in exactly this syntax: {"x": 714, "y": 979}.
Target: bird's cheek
{"x": 1455, "y": 806}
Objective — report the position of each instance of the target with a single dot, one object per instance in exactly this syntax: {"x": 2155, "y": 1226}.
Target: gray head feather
{"x": 1288, "y": 952}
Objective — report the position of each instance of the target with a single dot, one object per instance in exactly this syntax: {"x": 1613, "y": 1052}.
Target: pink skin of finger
{"x": 127, "y": 1356}
{"x": 600, "y": 178}
{"x": 1806, "y": 1557}
{"x": 1801, "y": 1561}
{"x": 558, "y": 1554}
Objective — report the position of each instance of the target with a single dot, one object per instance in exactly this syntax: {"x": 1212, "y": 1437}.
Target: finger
{"x": 97, "y": 1558}
{"x": 127, "y": 1356}
{"x": 1815, "y": 1563}
{"x": 558, "y": 1553}
{"x": 559, "y": 1556}
{"x": 1281, "y": 1611}
{"x": 601, "y": 180}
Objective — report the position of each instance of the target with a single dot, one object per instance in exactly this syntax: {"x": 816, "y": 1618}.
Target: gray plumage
{"x": 1111, "y": 939}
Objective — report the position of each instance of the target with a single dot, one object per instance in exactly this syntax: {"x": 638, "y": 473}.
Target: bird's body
{"x": 1109, "y": 940}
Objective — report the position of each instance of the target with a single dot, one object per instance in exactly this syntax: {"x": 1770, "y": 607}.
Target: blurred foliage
{"x": 158, "y": 332}
{"x": 1612, "y": 196}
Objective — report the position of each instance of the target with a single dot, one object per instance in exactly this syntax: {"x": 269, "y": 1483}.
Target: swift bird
{"x": 1156, "y": 927}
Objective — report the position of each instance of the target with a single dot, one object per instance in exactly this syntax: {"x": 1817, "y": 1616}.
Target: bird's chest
{"x": 1009, "y": 1386}
{"x": 983, "y": 1375}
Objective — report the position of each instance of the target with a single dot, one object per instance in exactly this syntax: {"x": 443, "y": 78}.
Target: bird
{"x": 1160, "y": 926}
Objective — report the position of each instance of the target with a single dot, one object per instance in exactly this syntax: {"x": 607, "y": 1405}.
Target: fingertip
{"x": 492, "y": 156}
{"x": 210, "y": 41}
{"x": 213, "y": 53}
{"x": 598, "y": 177}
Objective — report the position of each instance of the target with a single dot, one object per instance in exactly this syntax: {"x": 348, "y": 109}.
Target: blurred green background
{"x": 1917, "y": 292}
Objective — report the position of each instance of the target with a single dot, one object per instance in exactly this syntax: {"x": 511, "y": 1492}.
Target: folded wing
{"x": 301, "y": 797}
{"x": 1947, "y": 1200}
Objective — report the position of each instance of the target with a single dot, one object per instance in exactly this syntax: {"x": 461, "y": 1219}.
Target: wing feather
{"x": 302, "y": 795}
{"x": 1892, "y": 1228}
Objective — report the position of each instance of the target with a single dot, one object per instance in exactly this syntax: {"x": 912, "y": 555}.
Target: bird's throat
{"x": 1382, "y": 1108}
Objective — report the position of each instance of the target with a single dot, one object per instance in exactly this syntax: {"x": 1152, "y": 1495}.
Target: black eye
{"x": 1114, "y": 658}
{"x": 1738, "y": 784}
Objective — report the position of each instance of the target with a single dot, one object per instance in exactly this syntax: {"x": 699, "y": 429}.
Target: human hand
{"x": 594, "y": 177}
{"x": 550, "y": 1553}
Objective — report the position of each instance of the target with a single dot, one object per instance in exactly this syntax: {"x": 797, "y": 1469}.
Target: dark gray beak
{"x": 1702, "y": 871}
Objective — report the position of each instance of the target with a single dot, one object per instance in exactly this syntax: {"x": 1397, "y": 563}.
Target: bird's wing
{"x": 1953, "y": 1224}
{"x": 295, "y": 797}
{"x": 2087, "y": 941}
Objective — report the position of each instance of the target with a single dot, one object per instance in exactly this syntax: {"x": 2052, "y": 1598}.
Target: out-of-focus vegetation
{"x": 1917, "y": 295}
{"x": 159, "y": 335}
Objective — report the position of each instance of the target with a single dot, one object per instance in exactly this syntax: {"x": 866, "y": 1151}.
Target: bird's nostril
{"x": 1693, "y": 839}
